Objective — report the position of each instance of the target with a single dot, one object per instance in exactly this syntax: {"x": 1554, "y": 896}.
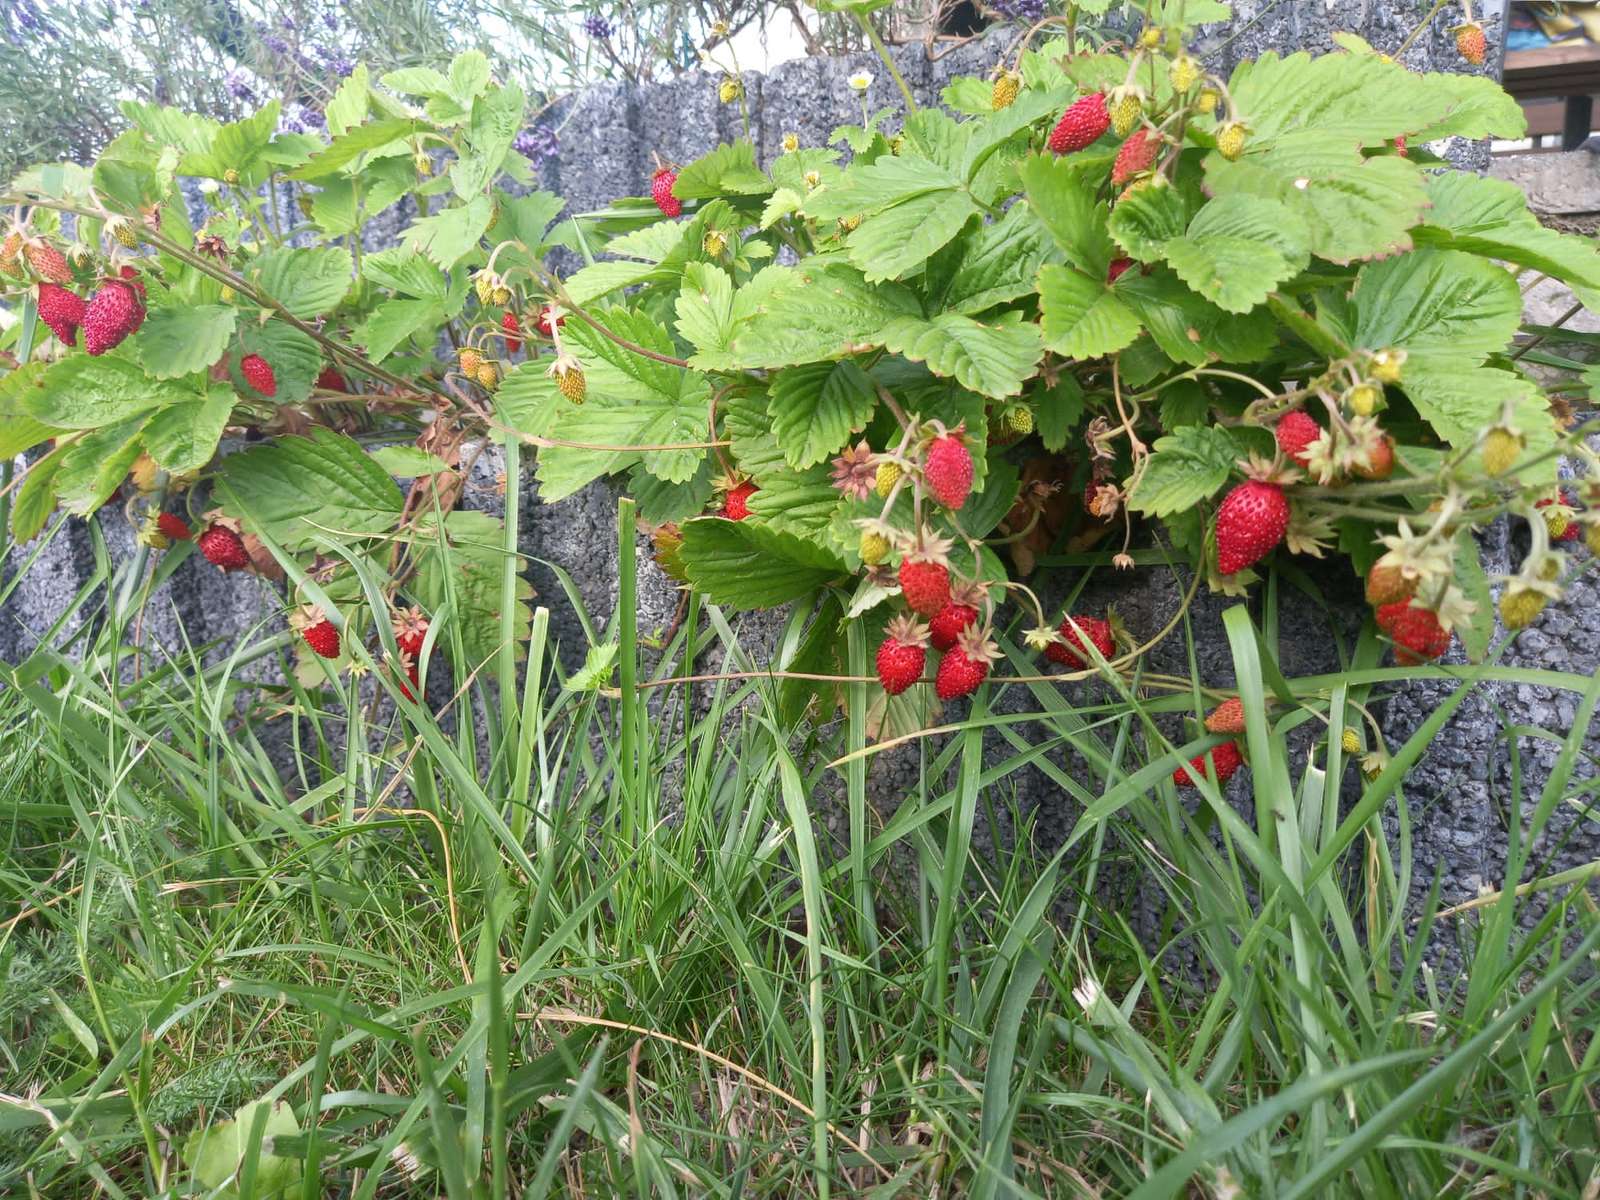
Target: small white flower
{"x": 210, "y": 187}
{"x": 860, "y": 81}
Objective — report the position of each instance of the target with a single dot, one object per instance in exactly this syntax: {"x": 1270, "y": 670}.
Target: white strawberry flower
{"x": 860, "y": 81}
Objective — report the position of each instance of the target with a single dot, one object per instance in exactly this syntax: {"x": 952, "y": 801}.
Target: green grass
{"x": 622, "y": 953}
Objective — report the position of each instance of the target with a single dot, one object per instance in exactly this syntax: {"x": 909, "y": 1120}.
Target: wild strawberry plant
{"x": 1102, "y": 297}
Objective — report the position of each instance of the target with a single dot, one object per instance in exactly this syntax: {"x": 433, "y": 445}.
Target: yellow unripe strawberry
{"x": 1006, "y": 86}
{"x": 1519, "y": 606}
{"x": 1556, "y": 521}
{"x": 228, "y": 295}
{"x": 1019, "y": 420}
{"x": 1125, "y": 113}
{"x": 470, "y": 361}
{"x": 715, "y": 243}
{"x": 1230, "y": 140}
{"x": 488, "y": 377}
{"x": 1501, "y": 449}
{"x": 1184, "y": 73}
{"x": 1350, "y": 742}
{"x": 888, "y": 475}
{"x": 850, "y": 224}
{"x": 874, "y": 548}
{"x": 1386, "y": 364}
{"x": 1206, "y": 101}
{"x": 125, "y": 233}
{"x": 1150, "y": 37}
{"x": 483, "y": 285}
{"x": 230, "y": 177}
{"x": 1362, "y": 399}
{"x": 500, "y": 295}
{"x": 729, "y": 90}
{"x": 791, "y": 142}
{"x": 571, "y": 384}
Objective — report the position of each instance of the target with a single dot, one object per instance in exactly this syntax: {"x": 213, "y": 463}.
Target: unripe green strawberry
{"x": 1006, "y": 86}
{"x": 483, "y": 283}
{"x": 1519, "y": 606}
{"x": 1363, "y": 399}
{"x": 1231, "y": 139}
{"x": 714, "y": 243}
{"x": 230, "y": 177}
{"x": 1184, "y": 73}
{"x": 874, "y": 547}
{"x": 488, "y": 376}
{"x": 1206, "y": 102}
{"x": 1591, "y": 538}
{"x": 1501, "y": 450}
{"x": 1019, "y": 420}
{"x": 888, "y": 475}
{"x": 571, "y": 383}
{"x": 1350, "y": 742}
{"x": 125, "y": 233}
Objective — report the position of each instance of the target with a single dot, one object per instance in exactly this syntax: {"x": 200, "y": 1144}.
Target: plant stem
{"x": 887, "y": 59}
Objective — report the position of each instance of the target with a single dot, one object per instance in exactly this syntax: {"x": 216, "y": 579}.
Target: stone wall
{"x": 1459, "y": 797}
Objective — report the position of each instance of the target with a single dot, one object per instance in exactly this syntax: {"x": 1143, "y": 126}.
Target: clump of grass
{"x": 613, "y": 951}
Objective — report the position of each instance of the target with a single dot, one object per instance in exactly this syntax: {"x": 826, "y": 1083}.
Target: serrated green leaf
{"x": 596, "y": 670}
{"x": 308, "y": 281}
{"x": 1490, "y": 217}
{"x": 743, "y": 565}
{"x": 408, "y": 462}
{"x": 1081, "y": 316}
{"x": 184, "y": 437}
{"x": 1063, "y": 200}
{"x": 661, "y": 502}
{"x": 815, "y": 408}
{"x": 405, "y": 271}
{"x": 803, "y": 503}
{"x": 90, "y": 393}
{"x": 96, "y": 464}
{"x": 1184, "y": 468}
{"x": 19, "y": 434}
{"x": 1147, "y": 218}
{"x": 416, "y": 81}
{"x": 181, "y": 340}
{"x": 1479, "y": 108}
{"x": 448, "y": 235}
{"x": 1057, "y": 411}
{"x": 895, "y": 241}
{"x": 1000, "y": 263}
{"x": 496, "y": 117}
{"x": 1237, "y": 250}
{"x": 348, "y": 147}
{"x": 528, "y": 400}
{"x": 1461, "y": 399}
{"x": 302, "y": 490}
{"x": 614, "y": 370}
{"x": 468, "y": 573}
{"x": 36, "y": 497}
{"x": 882, "y": 184}
{"x": 730, "y": 169}
{"x": 1190, "y": 329}
{"x": 994, "y": 358}
{"x": 1331, "y": 98}
{"x": 1436, "y": 300}
{"x": 968, "y": 94}
{"x": 348, "y": 108}
{"x": 705, "y": 308}
{"x": 395, "y": 322}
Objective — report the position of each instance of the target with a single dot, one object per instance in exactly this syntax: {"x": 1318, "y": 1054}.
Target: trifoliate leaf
{"x": 183, "y": 437}
{"x": 89, "y": 393}
{"x": 1147, "y": 218}
{"x": 1490, "y": 217}
{"x": 1000, "y": 262}
{"x": 730, "y": 169}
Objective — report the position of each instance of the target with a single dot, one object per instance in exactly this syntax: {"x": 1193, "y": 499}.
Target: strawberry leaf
{"x": 743, "y": 565}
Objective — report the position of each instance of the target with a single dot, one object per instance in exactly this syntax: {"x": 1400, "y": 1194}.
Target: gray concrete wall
{"x": 1459, "y": 797}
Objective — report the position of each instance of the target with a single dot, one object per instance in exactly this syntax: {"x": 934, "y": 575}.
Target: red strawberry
{"x": 947, "y": 469}
{"x": 1386, "y": 584}
{"x": 965, "y": 665}
{"x": 1138, "y": 155}
{"x": 1400, "y": 146}
{"x": 329, "y": 380}
{"x": 1252, "y": 520}
{"x": 62, "y": 311}
{"x": 257, "y": 372}
{"x": 1115, "y": 269}
{"x": 1382, "y": 463}
{"x": 113, "y": 312}
{"x": 132, "y": 278}
{"x": 47, "y": 262}
{"x": 1225, "y": 758}
{"x": 902, "y": 654}
{"x": 1081, "y": 124}
{"x": 955, "y": 616}
{"x": 410, "y": 628}
{"x": 320, "y": 633}
{"x": 409, "y": 666}
{"x": 736, "y": 505}
{"x": 174, "y": 527}
{"x": 661, "y": 191}
{"x": 508, "y": 324}
{"x": 925, "y": 583}
{"x": 1471, "y": 43}
{"x": 1227, "y": 717}
{"x": 1417, "y": 634}
{"x": 223, "y": 548}
{"x": 1296, "y": 431}
{"x": 1074, "y": 653}
{"x": 545, "y": 325}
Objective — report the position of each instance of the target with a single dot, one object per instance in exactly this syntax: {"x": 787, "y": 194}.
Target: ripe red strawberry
{"x": 544, "y": 323}
{"x": 1252, "y": 520}
{"x": 408, "y": 665}
{"x": 1417, "y": 634}
{"x": 1296, "y": 431}
{"x": 955, "y": 616}
{"x": 131, "y": 277}
{"x": 47, "y": 262}
{"x": 329, "y": 380}
{"x": 1471, "y": 44}
{"x": 508, "y": 324}
{"x": 947, "y": 469}
{"x": 112, "y": 313}
{"x": 965, "y": 665}
{"x": 1387, "y": 585}
{"x": 1225, "y": 758}
{"x": 1074, "y": 653}
{"x": 736, "y": 505}
{"x": 173, "y": 527}
{"x": 1115, "y": 269}
{"x": 320, "y": 633}
{"x": 661, "y": 191}
{"x": 1382, "y": 462}
{"x": 1138, "y": 155}
{"x": 1227, "y": 717}
{"x": 62, "y": 311}
{"x": 410, "y": 628}
{"x": 902, "y": 654}
{"x": 925, "y": 583}
{"x": 257, "y": 372}
{"x": 223, "y": 547}
{"x": 1081, "y": 124}
{"x": 1400, "y": 146}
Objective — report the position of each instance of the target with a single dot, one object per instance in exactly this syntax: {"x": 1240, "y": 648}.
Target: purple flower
{"x": 300, "y": 118}
{"x": 331, "y": 19}
{"x": 286, "y": 21}
{"x": 275, "y": 44}
{"x": 537, "y": 143}
{"x": 597, "y": 27}
{"x": 238, "y": 88}
{"x": 341, "y": 66}
{"x": 1025, "y": 12}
